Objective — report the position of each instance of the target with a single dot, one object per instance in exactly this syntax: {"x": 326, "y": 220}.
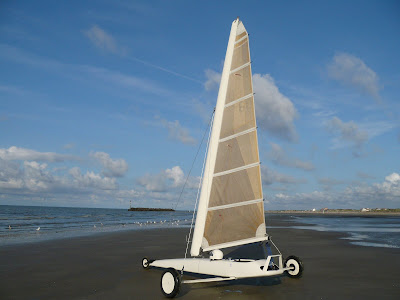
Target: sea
{"x": 28, "y": 224}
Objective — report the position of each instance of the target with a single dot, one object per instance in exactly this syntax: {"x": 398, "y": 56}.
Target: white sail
{"x": 231, "y": 209}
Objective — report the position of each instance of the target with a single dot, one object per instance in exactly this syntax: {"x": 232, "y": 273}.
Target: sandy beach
{"x": 108, "y": 266}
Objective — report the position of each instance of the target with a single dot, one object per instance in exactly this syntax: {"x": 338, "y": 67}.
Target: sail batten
{"x": 237, "y": 134}
{"x": 240, "y": 36}
{"x": 240, "y": 67}
{"x": 237, "y": 169}
{"x": 235, "y": 204}
{"x": 240, "y": 40}
{"x": 231, "y": 207}
{"x": 238, "y": 100}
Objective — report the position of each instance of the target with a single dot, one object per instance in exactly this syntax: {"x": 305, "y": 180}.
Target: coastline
{"x": 108, "y": 266}
{"x": 335, "y": 213}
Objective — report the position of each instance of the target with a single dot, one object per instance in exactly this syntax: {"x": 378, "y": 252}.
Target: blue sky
{"x": 106, "y": 102}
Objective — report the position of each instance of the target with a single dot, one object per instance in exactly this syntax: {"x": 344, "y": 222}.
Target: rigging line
{"x": 194, "y": 160}
{"x": 163, "y": 69}
{"x": 198, "y": 190}
{"x": 274, "y": 245}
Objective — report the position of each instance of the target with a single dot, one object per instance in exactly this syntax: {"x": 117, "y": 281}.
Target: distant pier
{"x": 149, "y": 209}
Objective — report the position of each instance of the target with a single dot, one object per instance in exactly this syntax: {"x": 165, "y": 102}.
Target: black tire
{"x": 146, "y": 262}
{"x": 296, "y": 264}
{"x": 170, "y": 283}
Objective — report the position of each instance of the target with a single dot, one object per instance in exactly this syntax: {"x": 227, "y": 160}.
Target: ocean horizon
{"x": 28, "y": 224}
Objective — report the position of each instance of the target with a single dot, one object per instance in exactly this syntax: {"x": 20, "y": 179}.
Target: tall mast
{"x": 213, "y": 146}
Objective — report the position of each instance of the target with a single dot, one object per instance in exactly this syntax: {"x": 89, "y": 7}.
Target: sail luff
{"x": 212, "y": 151}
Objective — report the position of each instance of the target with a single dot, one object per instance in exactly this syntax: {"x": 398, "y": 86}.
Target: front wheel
{"x": 146, "y": 262}
{"x": 170, "y": 283}
{"x": 295, "y": 265}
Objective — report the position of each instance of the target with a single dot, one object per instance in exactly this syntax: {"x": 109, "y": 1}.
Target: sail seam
{"x": 235, "y": 204}
{"x": 241, "y": 67}
{"x": 241, "y": 39}
{"x": 237, "y": 134}
{"x": 237, "y": 169}
{"x": 238, "y": 100}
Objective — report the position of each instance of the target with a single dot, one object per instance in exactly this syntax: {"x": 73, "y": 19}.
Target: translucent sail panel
{"x": 237, "y": 152}
{"x": 244, "y": 185}
{"x": 239, "y": 84}
{"x": 234, "y": 224}
{"x": 238, "y": 117}
{"x": 241, "y": 54}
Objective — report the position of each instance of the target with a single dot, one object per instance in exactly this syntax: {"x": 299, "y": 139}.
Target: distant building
{"x": 313, "y": 209}
{"x": 365, "y": 210}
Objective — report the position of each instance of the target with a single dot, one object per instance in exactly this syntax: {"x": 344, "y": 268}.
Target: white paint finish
{"x": 214, "y": 279}
{"x": 212, "y": 150}
{"x": 224, "y": 268}
{"x": 168, "y": 283}
{"x": 261, "y": 231}
{"x": 294, "y": 265}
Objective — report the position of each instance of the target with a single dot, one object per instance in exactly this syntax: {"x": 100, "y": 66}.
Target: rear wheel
{"x": 295, "y": 265}
{"x": 170, "y": 283}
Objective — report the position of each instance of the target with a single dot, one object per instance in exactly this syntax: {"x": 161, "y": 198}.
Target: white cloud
{"x": 204, "y": 110}
{"x": 328, "y": 183}
{"x": 346, "y": 133}
{"x": 154, "y": 183}
{"x": 16, "y": 153}
{"x": 270, "y": 176}
{"x": 177, "y": 132}
{"x": 275, "y": 112}
{"x": 30, "y": 177}
{"x": 352, "y": 71}
{"x": 167, "y": 179}
{"x": 91, "y": 179}
{"x": 112, "y": 167}
{"x": 106, "y": 42}
{"x": 393, "y": 179}
{"x": 364, "y": 175}
{"x": 103, "y": 40}
{"x": 10, "y": 175}
{"x": 388, "y": 190}
{"x": 213, "y": 80}
{"x": 125, "y": 194}
{"x": 376, "y": 128}
{"x": 126, "y": 81}
{"x": 385, "y": 194}
{"x": 176, "y": 175}
{"x": 30, "y": 181}
{"x": 278, "y": 156}
{"x": 69, "y": 146}
{"x": 107, "y": 77}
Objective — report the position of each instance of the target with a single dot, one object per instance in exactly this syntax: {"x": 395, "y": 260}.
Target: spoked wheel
{"x": 295, "y": 265}
{"x": 146, "y": 262}
{"x": 170, "y": 283}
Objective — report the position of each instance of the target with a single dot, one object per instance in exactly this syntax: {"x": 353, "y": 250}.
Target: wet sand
{"x": 108, "y": 266}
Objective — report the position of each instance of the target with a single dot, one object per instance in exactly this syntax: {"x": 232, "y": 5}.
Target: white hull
{"x": 226, "y": 268}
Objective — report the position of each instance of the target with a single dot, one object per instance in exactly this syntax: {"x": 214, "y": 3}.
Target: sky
{"x": 105, "y": 103}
